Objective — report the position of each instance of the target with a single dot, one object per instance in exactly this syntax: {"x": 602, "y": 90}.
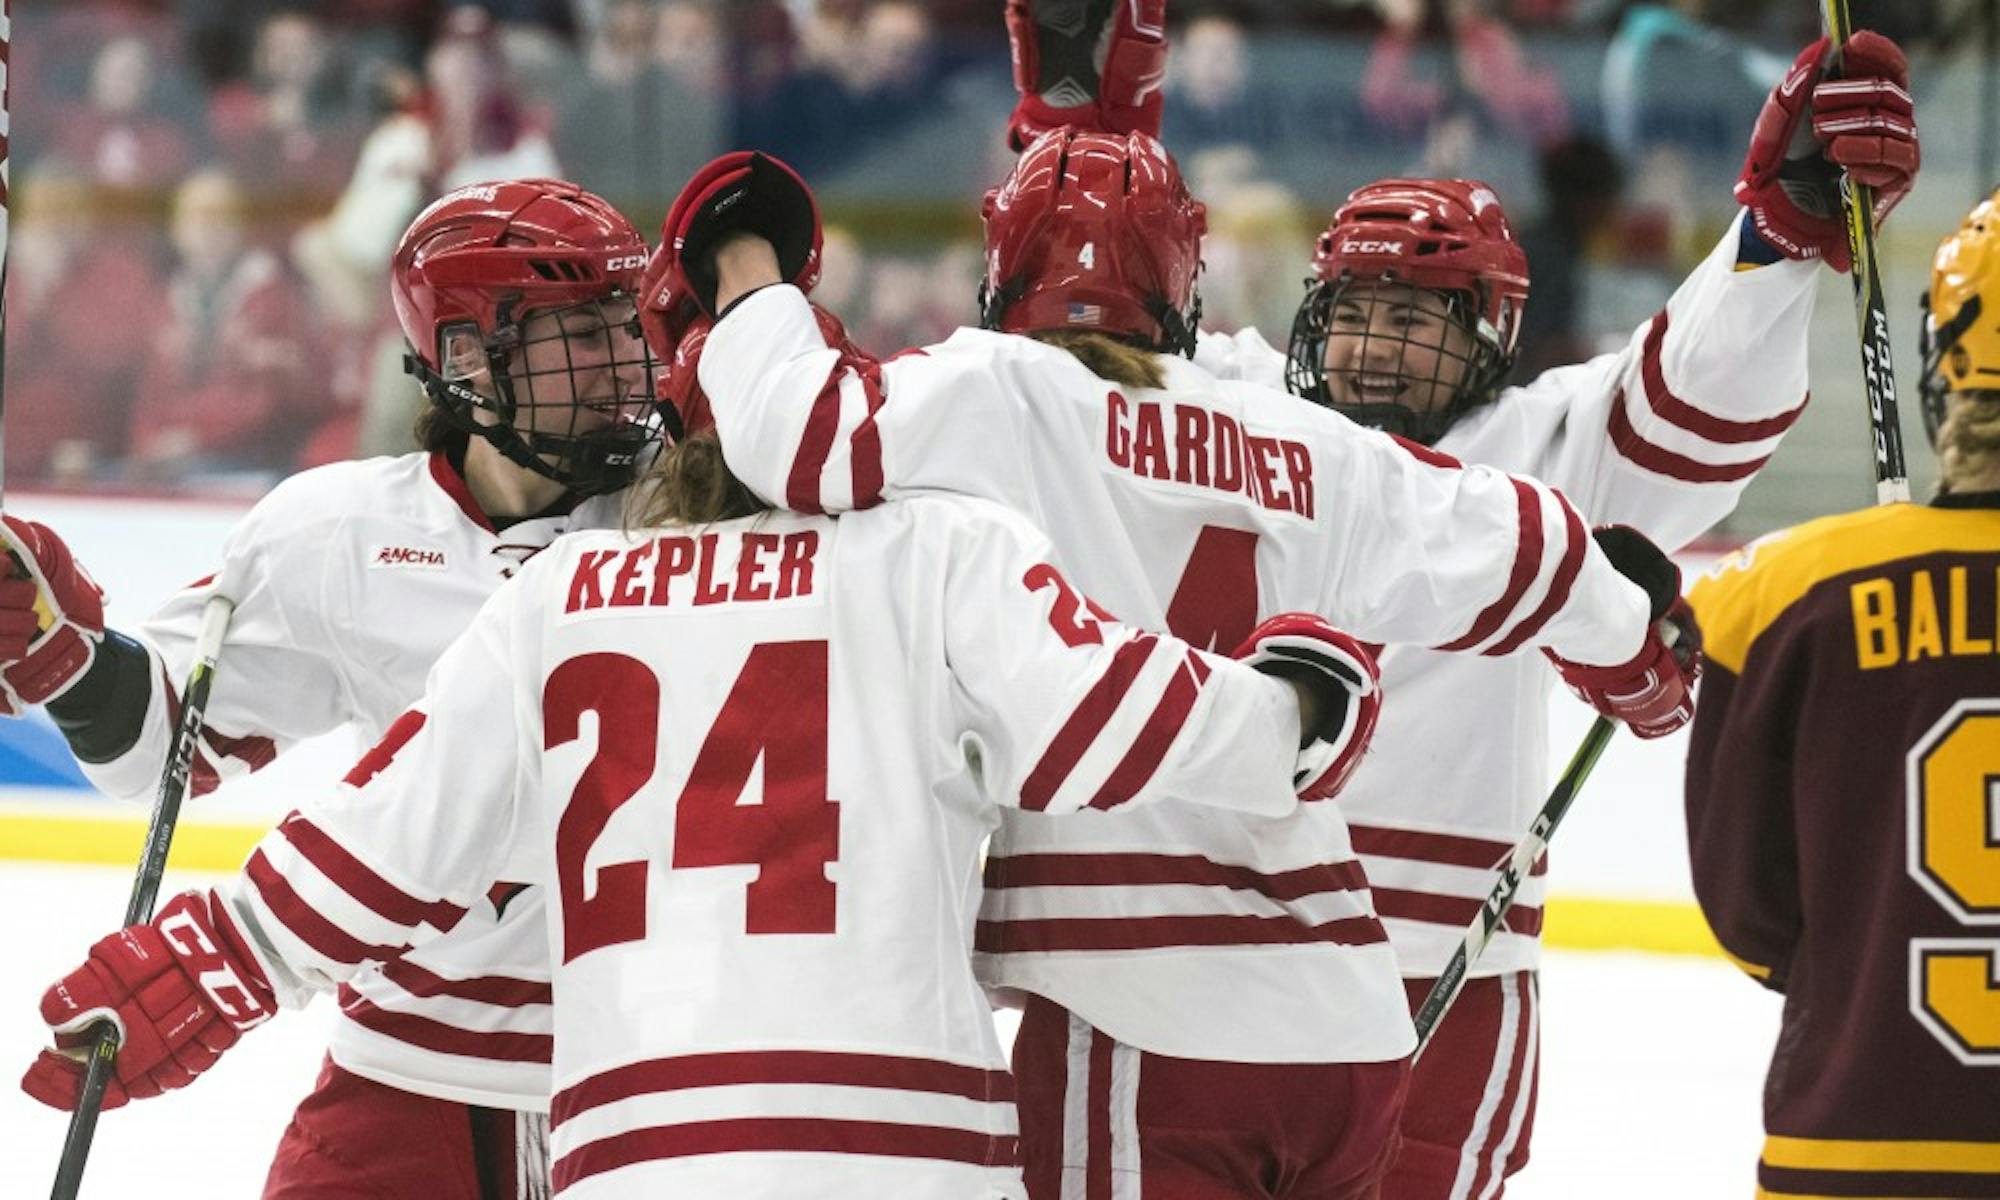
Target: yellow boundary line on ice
{"x": 1570, "y": 922}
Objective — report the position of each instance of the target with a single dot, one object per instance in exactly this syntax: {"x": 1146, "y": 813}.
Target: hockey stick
{"x": 146, "y": 888}
{"x": 1501, "y": 898}
{"x": 1878, "y": 371}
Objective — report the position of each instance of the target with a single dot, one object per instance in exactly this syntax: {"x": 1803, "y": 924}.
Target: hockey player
{"x": 1409, "y": 325}
{"x": 349, "y": 580}
{"x": 1207, "y": 1006}
{"x": 1840, "y": 794}
{"x": 753, "y": 757}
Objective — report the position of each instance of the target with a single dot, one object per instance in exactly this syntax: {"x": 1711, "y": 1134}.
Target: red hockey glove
{"x": 51, "y": 616}
{"x": 1653, "y": 693}
{"x": 739, "y": 192}
{"x": 678, "y": 383}
{"x": 1307, "y": 650}
{"x": 181, "y": 990}
{"x": 1094, "y": 64}
{"x": 1812, "y": 128}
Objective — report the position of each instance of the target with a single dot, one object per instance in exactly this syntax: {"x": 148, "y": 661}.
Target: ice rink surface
{"x": 1652, "y": 1066}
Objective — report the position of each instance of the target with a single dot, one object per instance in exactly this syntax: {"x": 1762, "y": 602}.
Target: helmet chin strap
{"x": 607, "y": 467}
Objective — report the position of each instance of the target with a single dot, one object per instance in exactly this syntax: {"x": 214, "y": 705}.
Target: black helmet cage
{"x": 1933, "y": 343}
{"x": 589, "y": 462}
{"x": 1485, "y": 367}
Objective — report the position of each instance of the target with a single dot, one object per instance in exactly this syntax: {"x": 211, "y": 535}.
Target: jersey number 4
{"x": 775, "y": 712}
{"x": 1953, "y": 790}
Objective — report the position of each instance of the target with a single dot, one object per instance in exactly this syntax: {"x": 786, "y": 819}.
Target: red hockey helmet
{"x": 571, "y": 397}
{"x": 1445, "y": 236}
{"x": 1094, "y": 231}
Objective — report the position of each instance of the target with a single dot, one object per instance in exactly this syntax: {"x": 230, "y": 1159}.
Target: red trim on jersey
{"x": 1142, "y": 870}
{"x": 1453, "y": 850}
{"x": 454, "y": 486}
{"x": 1661, "y": 461}
{"x": 385, "y": 749}
{"x": 826, "y": 1068}
{"x": 779, "y": 1135}
{"x": 815, "y": 446}
{"x": 305, "y": 922}
{"x": 256, "y": 751}
{"x": 1559, "y": 587}
{"x": 355, "y": 878}
{"x": 1455, "y": 911}
{"x": 1169, "y": 717}
{"x": 1088, "y": 719}
{"x": 1097, "y": 1181}
{"x": 1527, "y": 565}
{"x": 1159, "y": 933}
{"x": 499, "y": 990}
{"x": 1676, "y": 411}
{"x": 865, "y": 448}
{"x": 427, "y": 1033}
{"x": 1426, "y": 454}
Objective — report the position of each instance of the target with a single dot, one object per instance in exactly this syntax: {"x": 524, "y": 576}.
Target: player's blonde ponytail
{"x": 690, "y": 484}
{"x": 1108, "y": 358}
{"x": 1969, "y": 443}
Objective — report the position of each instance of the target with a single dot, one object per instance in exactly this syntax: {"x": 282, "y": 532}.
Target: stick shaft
{"x": 1878, "y": 368}
{"x": 1452, "y": 981}
{"x": 146, "y": 887}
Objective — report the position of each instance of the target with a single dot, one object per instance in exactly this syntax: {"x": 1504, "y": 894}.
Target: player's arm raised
{"x": 391, "y": 858}
{"x": 1697, "y": 401}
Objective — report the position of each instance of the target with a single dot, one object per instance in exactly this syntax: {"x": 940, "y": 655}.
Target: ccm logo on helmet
{"x": 1367, "y": 247}
{"x": 626, "y": 262}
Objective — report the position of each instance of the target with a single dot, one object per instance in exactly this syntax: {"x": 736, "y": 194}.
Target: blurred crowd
{"x": 206, "y": 192}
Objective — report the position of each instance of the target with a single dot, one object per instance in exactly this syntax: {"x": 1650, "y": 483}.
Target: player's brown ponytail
{"x": 690, "y": 484}
{"x": 1108, "y": 358}
{"x": 1969, "y": 443}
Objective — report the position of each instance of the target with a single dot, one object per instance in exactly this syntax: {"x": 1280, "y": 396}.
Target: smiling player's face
{"x": 1395, "y": 344}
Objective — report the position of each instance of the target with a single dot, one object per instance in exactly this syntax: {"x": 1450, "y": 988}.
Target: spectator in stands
{"x": 1210, "y": 99}
{"x": 288, "y": 124}
{"x": 653, "y": 105}
{"x": 1582, "y": 184}
{"x": 116, "y": 134}
{"x": 861, "y": 83}
{"x": 478, "y": 127}
{"x": 231, "y": 381}
{"x": 1485, "y": 73}
{"x": 69, "y": 386}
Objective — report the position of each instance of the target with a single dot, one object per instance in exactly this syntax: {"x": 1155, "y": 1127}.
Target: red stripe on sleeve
{"x": 1676, "y": 411}
{"x": 1661, "y": 461}
{"x": 499, "y": 990}
{"x": 1527, "y": 564}
{"x": 866, "y": 445}
{"x": 305, "y": 922}
{"x": 815, "y": 446}
{"x": 352, "y": 876}
{"x": 203, "y": 778}
{"x": 1080, "y": 730}
{"x": 1169, "y": 717}
{"x": 1559, "y": 587}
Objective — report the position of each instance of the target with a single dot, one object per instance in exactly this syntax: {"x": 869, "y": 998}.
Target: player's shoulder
{"x": 1245, "y": 354}
{"x": 1753, "y": 588}
{"x": 942, "y": 518}
{"x": 316, "y": 499}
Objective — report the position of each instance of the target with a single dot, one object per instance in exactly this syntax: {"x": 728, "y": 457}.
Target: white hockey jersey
{"x": 1663, "y": 436}
{"x": 1198, "y": 509}
{"x": 752, "y": 763}
{"x": 349, "y": 581}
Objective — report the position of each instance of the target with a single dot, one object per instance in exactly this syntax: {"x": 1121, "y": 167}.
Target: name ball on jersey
{"x": 684, "y": 572}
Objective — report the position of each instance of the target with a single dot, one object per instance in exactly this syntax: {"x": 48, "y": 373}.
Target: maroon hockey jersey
{"x": 1843, "y": 803}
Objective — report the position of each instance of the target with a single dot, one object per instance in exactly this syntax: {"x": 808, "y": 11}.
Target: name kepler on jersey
{"x": 1210, "y": 450}
{"x": 682, "y": 572}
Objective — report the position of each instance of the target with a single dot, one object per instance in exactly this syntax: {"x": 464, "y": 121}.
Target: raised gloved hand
{"x": 678, "y": 383}
{"x": 742, "y": 191}
{"x": 1094, "y": 64}
{"x": 1342, "y": 673}
{"x": 181, "y": 990}
{"x": 51, "y": 616}
{"x": 1653, "y": 692}
{"x": 1812, "y": 128}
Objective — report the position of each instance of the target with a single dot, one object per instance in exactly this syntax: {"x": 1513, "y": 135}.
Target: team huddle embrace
{"x": 1087, "y": 662}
